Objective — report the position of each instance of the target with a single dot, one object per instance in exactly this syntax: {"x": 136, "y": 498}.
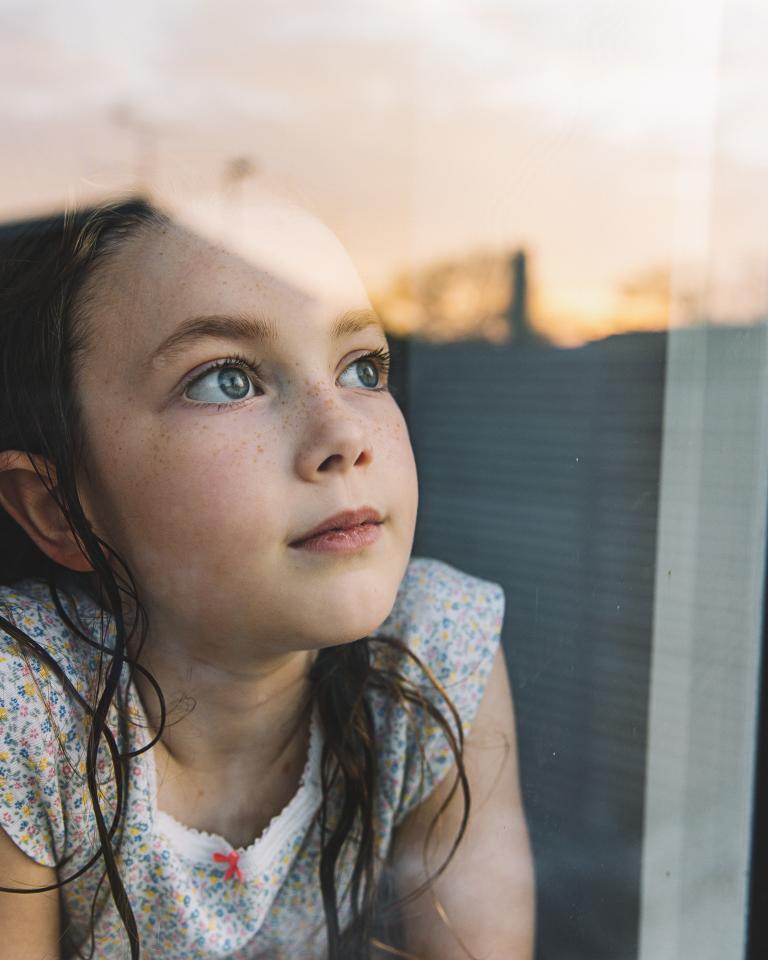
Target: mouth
{"x": 347, "y": 541}
{"x": 360, "y": 523}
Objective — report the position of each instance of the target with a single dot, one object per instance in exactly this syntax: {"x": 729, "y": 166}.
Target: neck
{"x": 218, "y": 713}
{"x": 236, "y": 735}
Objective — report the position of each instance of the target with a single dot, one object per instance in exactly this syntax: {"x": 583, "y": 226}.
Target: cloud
{"x": 629, "y": 72}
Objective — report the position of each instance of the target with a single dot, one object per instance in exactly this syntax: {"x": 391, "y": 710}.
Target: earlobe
{"x": 26, "y": 498}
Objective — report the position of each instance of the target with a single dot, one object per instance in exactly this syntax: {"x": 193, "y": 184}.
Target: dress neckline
{"x": 196, "y": 845}
{"x": 200, "y": 845}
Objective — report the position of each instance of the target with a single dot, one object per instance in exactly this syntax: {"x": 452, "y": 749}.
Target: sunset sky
{"x": 623, "y": 144}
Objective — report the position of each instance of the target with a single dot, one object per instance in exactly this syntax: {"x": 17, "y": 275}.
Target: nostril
{"x": 328, "y": 463}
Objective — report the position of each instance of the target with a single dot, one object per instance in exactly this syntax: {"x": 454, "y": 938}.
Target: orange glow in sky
{"x": 611, "y": 141}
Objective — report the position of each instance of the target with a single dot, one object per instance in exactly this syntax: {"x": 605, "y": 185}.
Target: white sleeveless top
{"x": 192, "y": 895}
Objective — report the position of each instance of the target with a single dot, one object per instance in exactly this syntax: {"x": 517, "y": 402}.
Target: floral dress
{"x": 193, "y": 896}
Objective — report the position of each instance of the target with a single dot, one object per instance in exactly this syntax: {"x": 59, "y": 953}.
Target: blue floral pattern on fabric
{"x": 185, "y": 908}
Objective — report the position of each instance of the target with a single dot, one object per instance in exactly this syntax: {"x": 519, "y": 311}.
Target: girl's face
{"x": 224, "y": 417}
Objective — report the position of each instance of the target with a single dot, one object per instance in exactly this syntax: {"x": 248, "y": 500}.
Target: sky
{"x": 623, "y": 145}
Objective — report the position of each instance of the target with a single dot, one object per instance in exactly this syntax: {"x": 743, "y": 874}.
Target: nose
{"x": 334, "y": 439}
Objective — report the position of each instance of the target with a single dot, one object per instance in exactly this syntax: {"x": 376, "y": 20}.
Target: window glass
{"x": 558, "y": 208}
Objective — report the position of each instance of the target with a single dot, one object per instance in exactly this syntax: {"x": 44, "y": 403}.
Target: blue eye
{"x": 225, "y": 384}
{"x": 232, "y": 380}
{"x": 372, "y": 369}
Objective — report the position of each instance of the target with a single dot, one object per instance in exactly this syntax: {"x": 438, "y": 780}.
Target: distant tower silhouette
{"x": 518, "y": 301}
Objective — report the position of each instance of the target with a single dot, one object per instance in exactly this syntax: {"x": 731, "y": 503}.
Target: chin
{"x": 355, "y": 607}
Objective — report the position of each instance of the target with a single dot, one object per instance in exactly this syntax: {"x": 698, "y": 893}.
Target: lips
{"x": 341, "y": 521}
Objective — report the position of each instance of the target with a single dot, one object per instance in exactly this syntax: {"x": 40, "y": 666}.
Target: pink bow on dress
{"x": 231, "y": 859}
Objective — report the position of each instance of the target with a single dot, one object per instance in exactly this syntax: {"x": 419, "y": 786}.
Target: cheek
{"x": 395, "y": 445}
{"x": 397, "y": 466}
{"x": 163, "y": 497}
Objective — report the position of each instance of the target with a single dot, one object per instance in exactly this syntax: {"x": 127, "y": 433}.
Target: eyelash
{"x": 381, "y": 357}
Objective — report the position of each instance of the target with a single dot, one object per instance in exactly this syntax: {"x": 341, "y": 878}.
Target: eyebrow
{"x": 252, "y": 327}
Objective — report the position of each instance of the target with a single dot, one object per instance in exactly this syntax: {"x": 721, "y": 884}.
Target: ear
{"x": 26, "y": 498}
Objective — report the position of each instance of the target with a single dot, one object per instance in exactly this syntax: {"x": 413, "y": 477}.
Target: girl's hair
{"x": 45, "y": 273}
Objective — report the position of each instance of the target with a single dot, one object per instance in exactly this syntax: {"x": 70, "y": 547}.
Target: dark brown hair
{"x": 43, "y": 338}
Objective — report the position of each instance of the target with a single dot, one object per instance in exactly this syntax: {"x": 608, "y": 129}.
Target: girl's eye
{"x": 232, "y": 380}
{"x": 225, "y": 384}
{"x": 372, "y": 369}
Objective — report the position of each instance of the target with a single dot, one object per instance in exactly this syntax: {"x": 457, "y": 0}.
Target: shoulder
{"x": 451, "y": 622}
{"x": 450, "y": 619}
{"x": 28, "y": 609}
{"x": 43, "y": 668}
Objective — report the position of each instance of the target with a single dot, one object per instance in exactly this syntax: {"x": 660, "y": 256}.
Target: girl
{"x": 232, "y": 708}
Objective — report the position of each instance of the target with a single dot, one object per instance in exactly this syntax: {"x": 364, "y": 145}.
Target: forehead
{"x": 291, "y": 268}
